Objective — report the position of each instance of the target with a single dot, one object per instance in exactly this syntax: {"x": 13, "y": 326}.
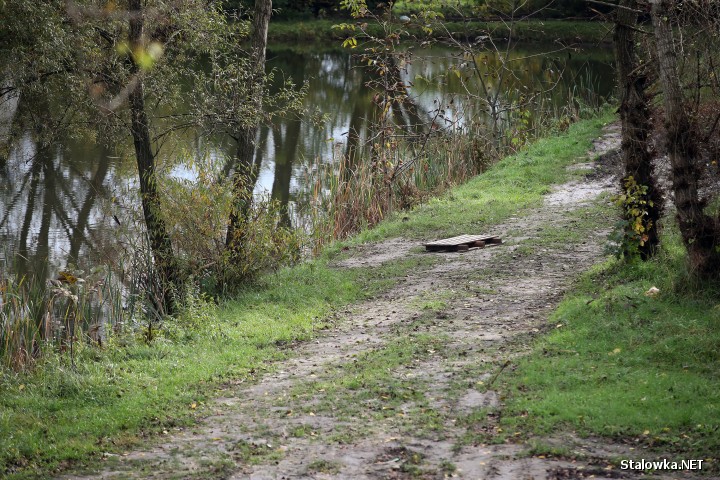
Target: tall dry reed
{"x": 356, "y": 193}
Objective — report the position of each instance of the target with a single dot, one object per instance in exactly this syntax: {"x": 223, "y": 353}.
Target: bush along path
{"x": 404, "y": 385}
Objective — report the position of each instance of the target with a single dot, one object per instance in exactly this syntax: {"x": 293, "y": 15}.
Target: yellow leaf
{"x": 21, "y": 387}
{"x": 67, "y": 277}
{"x": 193, "y": 405}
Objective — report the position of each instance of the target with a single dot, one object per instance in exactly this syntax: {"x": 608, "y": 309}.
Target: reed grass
{"x": 62, "y": 314}
{"x": 20, "y": 333}
{"x": 353, "y": 194}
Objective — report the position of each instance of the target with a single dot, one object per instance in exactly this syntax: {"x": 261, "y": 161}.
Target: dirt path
{"x": 402, "y": 386}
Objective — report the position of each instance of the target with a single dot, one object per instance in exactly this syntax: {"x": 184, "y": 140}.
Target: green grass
{"x": 626, "y": 365}
{"x": 369, "y": 379}
{"x": 368, "y": 388}
{"x": 58, "y": 417}
{"x": 255, "y": 453}
{"x": 291, "y": 32}
{"x": 513, "y": 185}
{"x": 581, "y": 223}
{"x": 324, "y": 466}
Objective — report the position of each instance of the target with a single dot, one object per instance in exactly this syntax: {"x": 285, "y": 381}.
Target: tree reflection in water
{"x": 53, "y": 192}
{"x": 49, "y": 211}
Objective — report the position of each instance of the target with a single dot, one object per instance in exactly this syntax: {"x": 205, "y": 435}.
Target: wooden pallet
{"x": 462, "y": 243}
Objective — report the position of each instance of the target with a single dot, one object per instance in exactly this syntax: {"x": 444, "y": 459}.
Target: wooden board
{"x": 462, "y": 243}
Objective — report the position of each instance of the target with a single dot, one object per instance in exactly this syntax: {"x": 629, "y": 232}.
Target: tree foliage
{"x": 290, "y": 9}
{"x": 121, "y": 70}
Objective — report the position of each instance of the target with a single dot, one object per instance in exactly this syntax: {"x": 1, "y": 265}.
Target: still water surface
{"x": 56, "y": 205}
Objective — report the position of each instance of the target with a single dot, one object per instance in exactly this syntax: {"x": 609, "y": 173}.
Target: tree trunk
{"x": 285, "y": 148}
{"x": 246, "y": 171}
{"x": 699, "y": 231}
{"x": 164, "y": 259}
{"x": 636, "y": 128}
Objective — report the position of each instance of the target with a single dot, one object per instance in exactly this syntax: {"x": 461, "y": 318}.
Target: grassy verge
{"x": 60, "y": 416}
{"x": 513, "y": 185}
{"x": 642, "y": 369}
{"x": 530, "y": 31}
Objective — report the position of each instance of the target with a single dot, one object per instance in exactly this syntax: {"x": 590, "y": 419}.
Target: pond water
{"x": 56, "y": 203}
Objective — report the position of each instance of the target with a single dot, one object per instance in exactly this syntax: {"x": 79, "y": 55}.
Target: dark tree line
{"x": 292, "y": 9}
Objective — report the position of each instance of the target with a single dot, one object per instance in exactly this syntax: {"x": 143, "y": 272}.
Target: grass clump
{"x": 255, "y": 453}
{"x": 370, "y": 379}
{"x": 626, "y": 365}
{"x": 324, "y": 466}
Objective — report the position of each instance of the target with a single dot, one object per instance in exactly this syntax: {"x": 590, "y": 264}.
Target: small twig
{"x": 497, "y": 374}
{"x": 712, "y": 130}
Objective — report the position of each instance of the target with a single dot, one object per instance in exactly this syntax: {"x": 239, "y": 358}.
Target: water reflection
{"x": 51, "y": 211}
{"x": 338, "y": 88}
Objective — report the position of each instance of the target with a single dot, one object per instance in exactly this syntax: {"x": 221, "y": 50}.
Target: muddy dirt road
{"x": 402, "y": 385}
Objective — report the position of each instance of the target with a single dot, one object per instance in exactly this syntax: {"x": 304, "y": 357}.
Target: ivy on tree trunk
{"x": 636, "y": 129}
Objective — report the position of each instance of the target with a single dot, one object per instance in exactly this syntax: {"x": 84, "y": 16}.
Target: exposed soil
{"x": 434, "y": 414}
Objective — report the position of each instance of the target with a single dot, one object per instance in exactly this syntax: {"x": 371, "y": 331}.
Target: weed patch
{"x": 324, "y": 466}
